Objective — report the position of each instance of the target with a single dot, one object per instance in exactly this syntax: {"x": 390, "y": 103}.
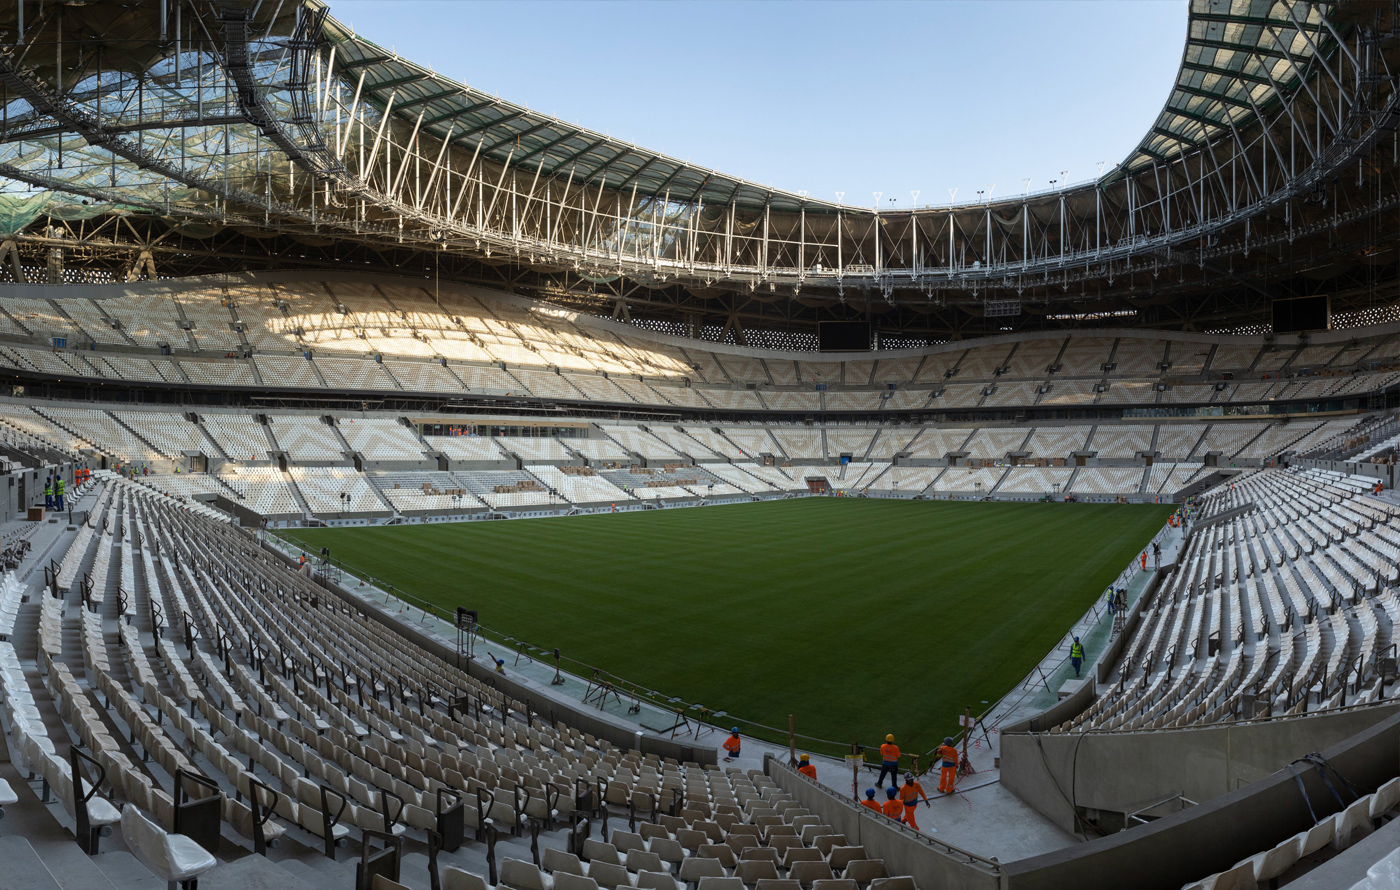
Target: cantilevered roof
{"x": 1239, "y": 55}
{"x": 529, "y": 140}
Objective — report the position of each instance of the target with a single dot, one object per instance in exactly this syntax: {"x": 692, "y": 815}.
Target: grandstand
{"x": 264, "y": 283}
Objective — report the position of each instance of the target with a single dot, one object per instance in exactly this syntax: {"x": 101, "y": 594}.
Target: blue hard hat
{"x": 734, "y": 729}
{"x": 891, "y": 792}
{"x": 870, "y": 792}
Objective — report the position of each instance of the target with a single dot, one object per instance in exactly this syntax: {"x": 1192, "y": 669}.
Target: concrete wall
{"x": 1121, "y": 772}
{"x": 906, "y": 852}
{"x": 1198, "y": 841}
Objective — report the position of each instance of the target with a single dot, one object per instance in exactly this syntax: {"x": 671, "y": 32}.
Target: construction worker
{"x": 948, "y": 772}
{"x": 48, "y": 493}
{"x": 1076, "y": 655}
{"x": 870, "y": 800}
{"x": 731, "y": 745}
{"x": 889, "y": 760}
{"x": 1143, "y": 560}
{"x": 909, "y": 794}
{"x": 58, "y": 494}
{"x": 806, "y": 768}
{"x": 893, "y": 806}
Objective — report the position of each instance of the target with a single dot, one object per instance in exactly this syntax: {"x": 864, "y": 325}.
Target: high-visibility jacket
{"x": 871, "y": 803}
{"x": 1076, "y": 651}
{"x": 910, "y": 792}
{"x": 894, "y": 808}
{"x": 809, "y": 770}
{"x": 60, "y": 488}
{"x": 948, "y": 754}
{"x": 731, "y": 743}
{"x": 889, "y": 752}
{"x": 48, "y": 491}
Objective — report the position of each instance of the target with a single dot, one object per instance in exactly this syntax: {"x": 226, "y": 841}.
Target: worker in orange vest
{"x": 807, "y": 769}
{"x": 909, "y": 794}
{"x": 948, "y": 757}
{"x": 889, "y": 761}
{"x": 731, "y": 745}
{"x": 893, "y": 806}
{"x": 870, "y": 800}
{"x": 1144, "y": 560}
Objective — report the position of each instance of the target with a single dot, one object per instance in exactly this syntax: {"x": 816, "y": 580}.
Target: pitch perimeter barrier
{"x": 1185, "y": 846}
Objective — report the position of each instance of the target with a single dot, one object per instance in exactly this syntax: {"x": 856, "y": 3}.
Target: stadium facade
{"x": 292, "y": 278}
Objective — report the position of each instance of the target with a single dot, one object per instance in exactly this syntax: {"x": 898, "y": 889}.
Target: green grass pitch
{"x": 859, "y": 617}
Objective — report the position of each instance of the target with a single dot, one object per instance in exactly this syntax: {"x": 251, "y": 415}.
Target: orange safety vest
{"x": 731, "y": 743}
{"x": 889, "y": 752}
{"x": 874, "y": 805}
{"x": 808, "y": 770}
{"x": 893, "y": 808}
{"x": 910, "y": 792}
{"x": 948, "y": 754}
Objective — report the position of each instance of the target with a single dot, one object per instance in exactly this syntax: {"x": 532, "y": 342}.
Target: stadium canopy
{"x": 211, "y": 129}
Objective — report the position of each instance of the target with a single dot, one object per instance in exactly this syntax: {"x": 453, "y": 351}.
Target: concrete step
{"x": 126, "y": 872}
{"x": 23, "y": 869}
{"x": 70, "y": 867}
{"x": 253, "y": 873}
{"x": 316, "y": 878}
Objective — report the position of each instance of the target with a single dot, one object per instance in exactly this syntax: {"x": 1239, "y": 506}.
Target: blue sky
{"x": 824, "y": 97}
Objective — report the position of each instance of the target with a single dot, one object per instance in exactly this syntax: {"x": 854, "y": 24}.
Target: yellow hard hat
{"x": 890, "y": 737}
{"x": 805, "y": 757}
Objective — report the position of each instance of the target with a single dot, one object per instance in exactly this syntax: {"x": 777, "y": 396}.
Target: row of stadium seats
{"x": 130, "y": 436}
{"x": 337, "y": 727}
{"x": 395, "y": 337}
{"x": 1283, "y": 607}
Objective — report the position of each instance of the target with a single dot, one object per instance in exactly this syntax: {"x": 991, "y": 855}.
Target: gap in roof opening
{"x": 828, "y": 97}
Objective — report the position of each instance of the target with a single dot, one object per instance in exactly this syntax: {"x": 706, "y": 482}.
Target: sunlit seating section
{"x": 906, "y": 480}
{"x": 279, "y": 370}
{"x": 104, "y": 432}
{"x": 540, "y": 449}
{"x": 1229, "y": 438}
{"x": 598, "y": 448}
{"x": 584, "y": 487}
{"x": 173, "y": 435}
{"x": 480, "y": 448}
{"x": 348, "y": 373}
{"x": 263, "y": 490}
{"x": 1168, "y": 479}
{"x": 1052, "y": 442}
{"x": 425, "y": 491}
{"x": 230, "y": 372}
{"x": 968, "y": 479}
{"x": 1107, "y": 480}
{"x": 240, "y": 436}
{"x": 1121, "y": 441}
{"x": 996, "y": 443}
{"x": 799, "y": 443}
{"x": 380, "y": 438}
{"x": 423, "y": 376}
{"x": 507, "y": 489}
{"x": 306, "y": 438}
{"x": 322, "y": 488}
{"x": 937, "y": 442}
{"x": 1036, "y": 480}
{"x": 640, "y": 442}
{"x": 1179, "y": 441}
